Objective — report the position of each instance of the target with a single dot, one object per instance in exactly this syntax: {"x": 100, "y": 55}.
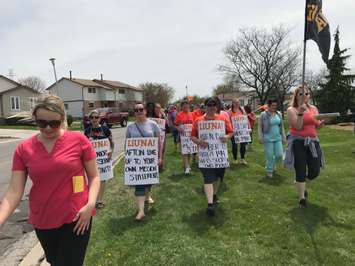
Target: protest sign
{"x": 161, "y": 124}
{"x": 141, "y": 161}
{"x": 104, "y": 164}
{"x": 241, "y": 129}
{"x": 187, "y": 146}
{"x": 216, "y": 155}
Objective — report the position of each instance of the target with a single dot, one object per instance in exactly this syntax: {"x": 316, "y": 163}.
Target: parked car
{"x": 109, "y": 116}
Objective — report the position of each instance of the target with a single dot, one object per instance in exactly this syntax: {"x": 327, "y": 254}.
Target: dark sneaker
{"x": 215, "y": 199}
{"x": 210, "y": 211}
{"x": 303, "y": 203}
{"x": 306, "y": 194}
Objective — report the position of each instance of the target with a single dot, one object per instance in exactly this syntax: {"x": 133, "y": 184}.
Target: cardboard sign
{"x": 241, "y": 129}
{"x": 187, "y": 146}
{"x": 141, "y": 161}
{"x": 216, "y": 155}
{"x": 104, "y": 164}
{"x": 161, "y": 124}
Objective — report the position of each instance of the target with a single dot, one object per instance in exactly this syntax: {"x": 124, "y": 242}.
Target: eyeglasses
{"x": 41, "y": 123}
{"x": 301, "y": 94}
{"x": 94, "y": 117}
{"x": 138, "y": 110}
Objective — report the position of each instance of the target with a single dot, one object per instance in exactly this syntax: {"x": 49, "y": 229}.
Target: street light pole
{"x": 54, "y": 70}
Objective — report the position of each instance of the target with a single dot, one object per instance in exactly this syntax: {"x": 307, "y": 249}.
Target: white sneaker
{"x": 187, "y": 170}
{"x": 242, "y": 161}
{"x": 269, "y": 174}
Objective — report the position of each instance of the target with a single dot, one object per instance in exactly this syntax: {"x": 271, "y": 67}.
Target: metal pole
{"x": 55, "y": 72}
{"x": 187, "y": 95}
{"x": 304, "y": 53}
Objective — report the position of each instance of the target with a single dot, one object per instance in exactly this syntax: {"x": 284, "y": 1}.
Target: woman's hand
{"x": 202, "y": 143}
{"x": 160, "y": 161}
{"x": 224, "y": 138}
{"x": 109, "y": 155}
{"x": 302, "y": 108}
{"x": 321, "y": 123}
{"x": 83, "y": 219}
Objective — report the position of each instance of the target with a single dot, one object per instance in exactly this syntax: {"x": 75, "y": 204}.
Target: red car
{"x": 109, "y": 116}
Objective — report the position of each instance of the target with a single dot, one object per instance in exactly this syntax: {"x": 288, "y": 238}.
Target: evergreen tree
{"x": 337, "y": 94}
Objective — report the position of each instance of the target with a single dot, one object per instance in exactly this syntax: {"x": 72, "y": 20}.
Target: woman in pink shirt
{"x": 62, "y": 167}
{"x": 303, "y": 151}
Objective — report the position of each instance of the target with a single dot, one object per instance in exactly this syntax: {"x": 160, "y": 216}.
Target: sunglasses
{"x": 44, "y": 123}
{"x": 138, "y": 110}
{"x": 301, "y": 94}
{"x": 94, "y": 117}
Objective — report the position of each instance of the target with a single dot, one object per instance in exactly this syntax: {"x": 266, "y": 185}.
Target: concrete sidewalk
{"x": 17, "y": 133}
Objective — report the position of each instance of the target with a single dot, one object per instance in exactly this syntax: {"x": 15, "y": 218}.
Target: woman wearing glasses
{"x": 143, "y": 128}
{"x": 211, "y": 176}
{"x": 62, "y": 201}
{"x": 303, "y": 151}
{"x": 95, "y": 131}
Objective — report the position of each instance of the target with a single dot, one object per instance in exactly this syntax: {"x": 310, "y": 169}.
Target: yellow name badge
{"x": 78, "y": 184}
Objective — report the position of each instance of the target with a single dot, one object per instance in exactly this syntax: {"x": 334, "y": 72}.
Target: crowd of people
{"x": 63, "y": 165}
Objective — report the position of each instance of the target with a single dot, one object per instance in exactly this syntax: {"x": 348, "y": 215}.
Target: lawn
{"x": 258, "y": 221}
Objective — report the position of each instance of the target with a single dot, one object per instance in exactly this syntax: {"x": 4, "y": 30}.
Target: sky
{"x": 178, "y": 42}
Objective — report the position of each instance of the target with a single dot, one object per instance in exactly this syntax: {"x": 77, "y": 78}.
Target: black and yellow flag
{"x": 317, "y": 27}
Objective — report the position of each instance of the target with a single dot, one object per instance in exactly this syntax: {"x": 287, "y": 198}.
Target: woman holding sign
{"x": 239, "y": 121}
{"x": 211, "y": 132}
{"x": 101, "y": 138}
{"x": 183, "y": 123}
{"x": 142, "y": 128}
{"x": 272, "y": 135}
{"x": 303, "y": 151}
{"x": 62, "y": 167}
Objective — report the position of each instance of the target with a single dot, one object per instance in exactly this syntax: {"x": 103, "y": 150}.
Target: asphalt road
{"x": 17, "y": 223}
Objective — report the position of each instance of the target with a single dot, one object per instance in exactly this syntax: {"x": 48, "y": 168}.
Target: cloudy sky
{"x": 179, "y": 42}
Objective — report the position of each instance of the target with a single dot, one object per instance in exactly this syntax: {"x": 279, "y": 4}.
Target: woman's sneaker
{"x": 210, "y": 211}
{"x": 303, "y": 203}
{"x": 187, "y": 171}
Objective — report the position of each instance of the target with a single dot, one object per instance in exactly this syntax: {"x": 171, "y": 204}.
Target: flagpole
{"x": 304, "y": 53}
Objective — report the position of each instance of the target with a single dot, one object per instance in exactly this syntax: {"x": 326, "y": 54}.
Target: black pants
{"x": 62, "y": 246}
{"x": 305, "y": 165}
{"x": 235, "y": 149}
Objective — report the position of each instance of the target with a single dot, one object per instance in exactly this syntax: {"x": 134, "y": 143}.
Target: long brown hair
{"x": 294, "y": 101}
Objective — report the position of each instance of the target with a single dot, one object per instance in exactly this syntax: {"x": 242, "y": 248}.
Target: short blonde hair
{"x": 51, "y": 103}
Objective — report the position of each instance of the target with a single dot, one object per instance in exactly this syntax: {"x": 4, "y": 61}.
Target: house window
{"x": 241, "y": 102}
{"x": 66, "y": 106}
{"x": 250, "y": 101}
{"x": 121, "y": 91}
{"x": 92, "y": 90}
{"x": 91, "y": 104}
{"x": 15, "y": 103}
{"x": 33, "y": 101}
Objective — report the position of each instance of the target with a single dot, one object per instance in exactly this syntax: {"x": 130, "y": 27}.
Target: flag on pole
{"x": 317, "y": 27}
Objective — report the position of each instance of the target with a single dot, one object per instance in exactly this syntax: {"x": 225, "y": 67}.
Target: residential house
{"x": 246, "y": 97}
{"x": 80, "y": 96}
{"x": 15, "y": 98}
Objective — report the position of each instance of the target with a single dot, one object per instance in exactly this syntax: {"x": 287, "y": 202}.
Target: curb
{"x": 35, "y": 255}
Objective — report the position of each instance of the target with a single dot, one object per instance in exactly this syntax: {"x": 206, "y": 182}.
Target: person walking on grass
{"x": 143, "y": 128}
{"x": 65, "y": 178}
{"x": 303, "y": 153}
{"x": 184, "y": 118}
{"x": 171, "y": 122}
{"x": 235, "y": 111}
{"x": 95, "y": 131}
{"x": 211, "y": 176}
{"x": 272, "y": 135}
{"x": 251, "y": 118}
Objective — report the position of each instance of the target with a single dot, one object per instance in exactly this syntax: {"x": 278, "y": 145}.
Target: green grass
{"x": 258, "y": 221}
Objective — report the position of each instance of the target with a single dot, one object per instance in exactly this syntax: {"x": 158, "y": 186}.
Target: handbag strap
{"x": 140, "y": 131}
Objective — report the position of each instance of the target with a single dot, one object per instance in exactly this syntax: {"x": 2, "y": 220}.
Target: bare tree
{"x": 33, "y": 82}
{"x": 157, "y": 93}
{"x": 263, "y": 60}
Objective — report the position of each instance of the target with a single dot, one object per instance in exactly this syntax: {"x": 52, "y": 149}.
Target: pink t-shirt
{"x": 310, "y": 124}
{"x": 54, "y": 198}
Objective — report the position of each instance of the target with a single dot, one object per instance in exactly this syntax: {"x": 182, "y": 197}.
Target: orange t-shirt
{"x": 196, "y": 114}
{"x": 227, "y": 124}
{"x": 184, "y": 118}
